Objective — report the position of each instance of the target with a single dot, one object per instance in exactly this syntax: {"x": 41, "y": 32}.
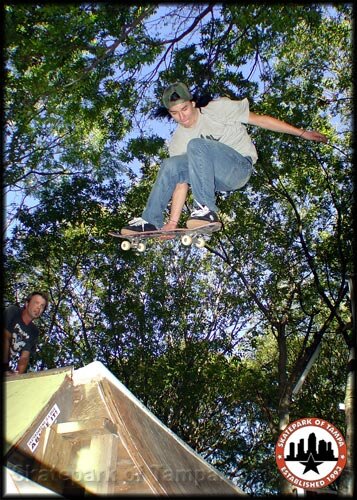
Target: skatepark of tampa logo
{"x": 311, "y": 453}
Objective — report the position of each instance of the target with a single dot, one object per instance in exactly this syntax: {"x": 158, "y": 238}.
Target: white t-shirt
{"x": 221, "y": 120}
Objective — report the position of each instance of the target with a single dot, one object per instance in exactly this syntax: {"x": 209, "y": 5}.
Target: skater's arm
{"x": 177, "y": 203}
{"x": 271, "y": 123}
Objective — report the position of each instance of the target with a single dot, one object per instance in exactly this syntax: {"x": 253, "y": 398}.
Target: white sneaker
{"x": 201, "y": 217}
{"x": 138, "y": 225}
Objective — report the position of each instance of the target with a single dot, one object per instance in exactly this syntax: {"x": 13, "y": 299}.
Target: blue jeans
{"x": 208, "y": 166}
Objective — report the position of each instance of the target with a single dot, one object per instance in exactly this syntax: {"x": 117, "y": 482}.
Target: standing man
{"x": 210, "y": 151}
{"x": 21, "y": 334}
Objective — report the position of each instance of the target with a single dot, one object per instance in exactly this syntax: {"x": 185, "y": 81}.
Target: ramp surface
{"x": 101, "y": 440}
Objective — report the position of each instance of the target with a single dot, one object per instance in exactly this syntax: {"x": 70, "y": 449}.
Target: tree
{"x": 189, "y": 333}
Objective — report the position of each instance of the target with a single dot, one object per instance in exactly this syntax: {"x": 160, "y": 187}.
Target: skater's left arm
{"x": 271, "y": 123}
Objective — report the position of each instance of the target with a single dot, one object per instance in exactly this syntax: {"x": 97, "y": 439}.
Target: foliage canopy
{"x": 213, "y": 341}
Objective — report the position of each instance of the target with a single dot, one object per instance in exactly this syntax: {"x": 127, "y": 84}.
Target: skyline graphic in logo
{"x": 311, "y": 453}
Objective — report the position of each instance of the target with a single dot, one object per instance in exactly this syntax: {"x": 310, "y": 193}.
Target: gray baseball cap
{"x": 177, "y": 93}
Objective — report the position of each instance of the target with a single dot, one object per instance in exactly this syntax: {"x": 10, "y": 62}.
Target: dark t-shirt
{"x": 23, "y": 337}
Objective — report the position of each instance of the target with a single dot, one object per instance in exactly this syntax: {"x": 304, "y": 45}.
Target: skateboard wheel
{"x": 200, "y": 242}
{"x": 125, "y": 245}
{"x": 141, "y": 247}
{"x": 186, "y": 240}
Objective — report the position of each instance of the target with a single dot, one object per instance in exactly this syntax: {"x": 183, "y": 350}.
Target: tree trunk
{"x": 286, "y": 488}
{"x": 347, "y": 485}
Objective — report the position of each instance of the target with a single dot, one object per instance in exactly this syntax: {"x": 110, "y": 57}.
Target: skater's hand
{"x": 313, "y": 135}
{"x": 169, "y": 226}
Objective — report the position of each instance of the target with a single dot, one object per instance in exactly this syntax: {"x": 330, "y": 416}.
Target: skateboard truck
{"x": 139, "y": 246}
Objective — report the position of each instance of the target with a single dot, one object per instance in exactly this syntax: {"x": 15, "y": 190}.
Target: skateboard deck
{"x": 198, "y": 236}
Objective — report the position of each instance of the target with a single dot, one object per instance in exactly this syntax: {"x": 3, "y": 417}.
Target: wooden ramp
{"x": 80, "y": 432}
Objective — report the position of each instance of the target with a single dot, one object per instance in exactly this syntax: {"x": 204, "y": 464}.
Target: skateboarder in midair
{"x": 210, "y": 151}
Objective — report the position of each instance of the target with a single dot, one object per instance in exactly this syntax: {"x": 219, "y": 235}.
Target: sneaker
{"x": 201, "y": 217}
{"x": 138, "y": 225}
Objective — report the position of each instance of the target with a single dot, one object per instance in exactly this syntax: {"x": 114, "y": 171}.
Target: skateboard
{"x": 198, "y": 236}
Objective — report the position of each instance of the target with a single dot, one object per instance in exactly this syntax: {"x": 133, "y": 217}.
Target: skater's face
{"x": 185, "y": 114}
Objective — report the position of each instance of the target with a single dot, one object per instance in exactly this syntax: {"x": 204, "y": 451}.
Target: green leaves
{"x": 212, "y": 341}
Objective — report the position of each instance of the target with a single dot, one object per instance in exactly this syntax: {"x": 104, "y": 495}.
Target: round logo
{"x": 311, "y": 453}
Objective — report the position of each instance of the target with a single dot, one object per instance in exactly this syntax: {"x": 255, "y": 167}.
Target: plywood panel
{"x": 168, "y": 465}
{"x": 30, "y": 393}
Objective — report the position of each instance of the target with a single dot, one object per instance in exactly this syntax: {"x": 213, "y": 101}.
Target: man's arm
{"x": 6, "y": 347}
{"x": 177, "y": 203}
{"x": 23, "y": 361}
{"x": 6, "y": 352}
{"x": 271, "y": 123}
